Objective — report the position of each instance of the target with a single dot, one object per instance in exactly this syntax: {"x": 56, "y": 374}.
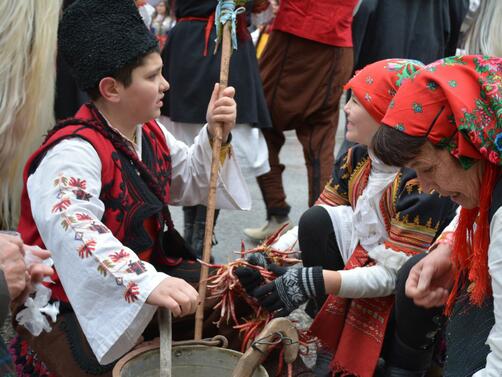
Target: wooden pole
{"x": 211, "y": 200}
{"x": 165, "y": 342}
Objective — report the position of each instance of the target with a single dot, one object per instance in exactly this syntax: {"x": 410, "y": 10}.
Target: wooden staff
{"x": 211, "y": 200}
{"x": 165, "y": 342}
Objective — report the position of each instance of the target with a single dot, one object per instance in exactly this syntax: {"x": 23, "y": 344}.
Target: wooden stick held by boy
{"x": 225, "y": 22}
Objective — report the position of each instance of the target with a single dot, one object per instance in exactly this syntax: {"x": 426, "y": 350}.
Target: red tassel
{"x": 479, "y": 269}
{"x": 470, "y": 248}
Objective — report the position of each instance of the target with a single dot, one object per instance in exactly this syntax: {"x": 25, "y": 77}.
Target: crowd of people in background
{"x": 108, "y": 113}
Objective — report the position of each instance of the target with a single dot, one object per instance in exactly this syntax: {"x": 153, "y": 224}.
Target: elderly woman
{"x": 446, "y": 124}
{"x": 369, "y": 220}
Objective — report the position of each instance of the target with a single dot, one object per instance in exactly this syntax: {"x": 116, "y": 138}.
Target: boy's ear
{"x": 109, "y": 89}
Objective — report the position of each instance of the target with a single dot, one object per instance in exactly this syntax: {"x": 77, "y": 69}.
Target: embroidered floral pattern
{"x": 417, "y": 108}
{"x": 137, "y": 267}
{"x": 86, "y": 250}
{"x": 104, "y": 266}
{"x": 377, "y": 83}
{"x": 101, "y": 229}
{"x": 432, "y": 85}
{"x": 132, "y": 292}
{"x": 117, "y": 263}
{"x": 399, "y": 126}
{"x": 61, "y": 205}
{"x": 119, "y": 256}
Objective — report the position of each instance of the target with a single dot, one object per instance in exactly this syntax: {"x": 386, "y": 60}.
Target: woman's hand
{"x": 430, "y": 280}
{"x": 12, "y": 265}
{"x": 20, "y": 278}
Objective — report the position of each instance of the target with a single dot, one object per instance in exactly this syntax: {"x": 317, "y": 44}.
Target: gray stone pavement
{"x": 230, "y": 225}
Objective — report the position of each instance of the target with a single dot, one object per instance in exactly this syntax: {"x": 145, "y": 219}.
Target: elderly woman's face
{"x": 438, "y": 170}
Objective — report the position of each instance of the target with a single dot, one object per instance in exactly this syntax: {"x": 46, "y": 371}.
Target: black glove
{"x": 257, "y": 259}
{"x": 293, "y": 287}
{"x": 249, "y": 278}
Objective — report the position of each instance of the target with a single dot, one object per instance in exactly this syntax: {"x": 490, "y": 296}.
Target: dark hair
{"x": 168, "y": 9}
{"x": 394, "y": 147}
{"x": 123, "y": 75}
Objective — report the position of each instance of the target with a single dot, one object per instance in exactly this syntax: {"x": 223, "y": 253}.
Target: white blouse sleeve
{"x": 191, "y": 170}
{"x": 494, "y": 359}
{"x": 378, "y": 280}
{"x": 106, "y": 283}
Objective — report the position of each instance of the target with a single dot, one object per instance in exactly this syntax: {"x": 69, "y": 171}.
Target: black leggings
{"x": 412, "y": 332}
{"x": 317, "y": 240}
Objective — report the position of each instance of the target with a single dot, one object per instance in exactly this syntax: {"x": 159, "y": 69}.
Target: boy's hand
{"x": 222, "y": 110}
{"x": 176, "y": 295}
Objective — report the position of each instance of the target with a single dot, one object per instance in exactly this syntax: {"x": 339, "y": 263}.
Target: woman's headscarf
{"x": 453, "y": 96}
{"x": 456, "y": 103}
{"x": 376, "y": 84}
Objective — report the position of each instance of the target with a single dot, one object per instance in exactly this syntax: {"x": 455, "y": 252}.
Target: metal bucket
{"x": 187, "y": 361}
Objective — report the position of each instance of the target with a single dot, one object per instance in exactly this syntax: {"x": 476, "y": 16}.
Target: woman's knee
{"x": 317, "y": 239}
{"x": 315, "y": 223}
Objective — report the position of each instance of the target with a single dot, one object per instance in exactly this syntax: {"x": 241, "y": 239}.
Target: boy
{"x": 96, "y": 192}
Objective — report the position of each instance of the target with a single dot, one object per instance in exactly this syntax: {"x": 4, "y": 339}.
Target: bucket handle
{"x": 215, "y": 341}
{"x": 279, "y": 330}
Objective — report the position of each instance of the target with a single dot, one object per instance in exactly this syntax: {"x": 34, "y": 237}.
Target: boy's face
{"x": 142, "y": 99}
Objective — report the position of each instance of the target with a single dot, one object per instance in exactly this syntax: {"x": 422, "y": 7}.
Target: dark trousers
{"x": 303, "y": 81}
{"x": 411, "y": 335}
{"x": 195, "y": 227}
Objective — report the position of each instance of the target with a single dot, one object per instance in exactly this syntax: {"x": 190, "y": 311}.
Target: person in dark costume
{"x": 307, "y": 60}
{"x": 191, "y": 67}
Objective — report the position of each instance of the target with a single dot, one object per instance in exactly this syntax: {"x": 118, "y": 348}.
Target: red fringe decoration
{"x": 470, "y": 247}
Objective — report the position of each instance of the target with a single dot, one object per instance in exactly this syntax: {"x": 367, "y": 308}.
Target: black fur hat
{"x": 99, "y": 37}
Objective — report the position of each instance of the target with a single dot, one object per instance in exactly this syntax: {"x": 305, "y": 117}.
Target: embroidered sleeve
{"x": 336, "y": 191}
{"x": 191, "y": 171}
{"x": 106, "y": 283}
{"x": 414, "y": 219}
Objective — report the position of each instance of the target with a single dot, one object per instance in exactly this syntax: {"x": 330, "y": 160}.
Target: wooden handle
{"x": 211, "y": 200}
{"x": 256, "y": 354}
{"x": 165, "y": 342}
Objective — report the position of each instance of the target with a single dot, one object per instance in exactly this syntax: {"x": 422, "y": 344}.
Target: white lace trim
{"x": 368, "y": 227}
{"x": 388, "y": 257}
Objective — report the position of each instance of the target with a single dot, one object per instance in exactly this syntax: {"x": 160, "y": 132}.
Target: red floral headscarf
{"x": 453, "y": 96}
{"x": 456, "y": 103}
{"x": 376, "y": 84}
